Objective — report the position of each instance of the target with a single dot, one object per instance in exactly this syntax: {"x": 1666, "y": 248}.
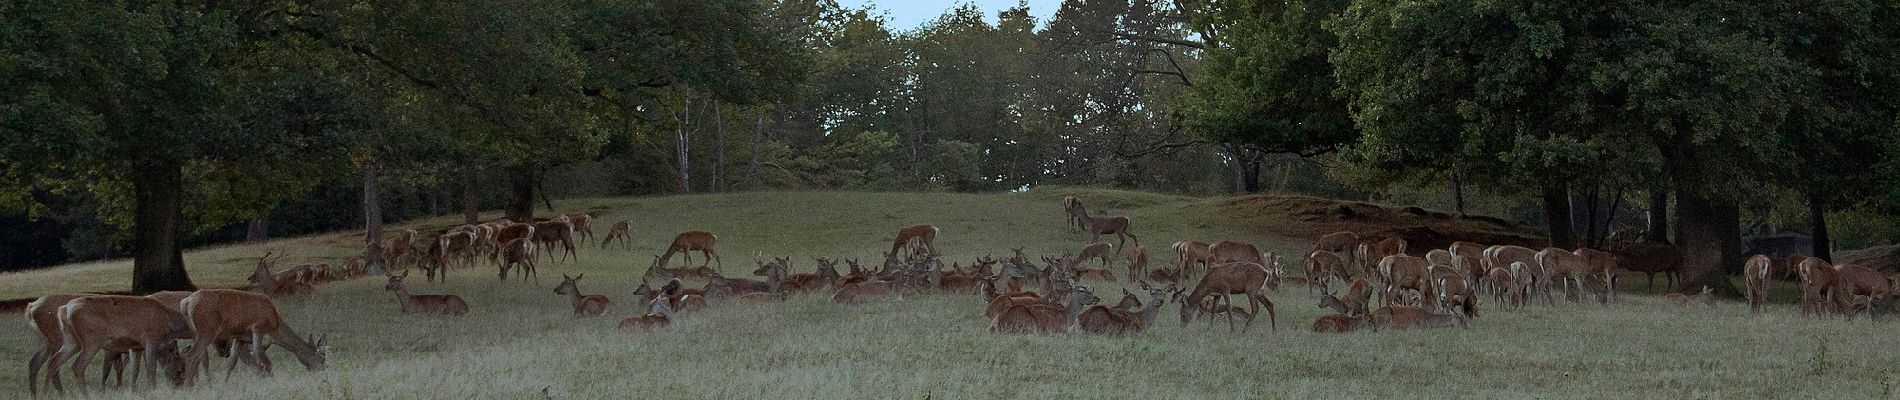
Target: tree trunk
{"x": 718, "y": 181}
{"x": 682, "y": 145}
{"x": 1458, "y": 195}
{"x": 521, "y": 193}
{"x": 373, "y": 218}
{"x": 1557, "y": 216}
{"x": 1250, "y": 172}
{"x": 758, "y": 145}
{"x": 471, "y": 208}
{"x": 1710, "y": 234}
{"x": 258, "y": 230}
{"x": 541, "y": 184}
{"x": 158, "y": 261}
{"x": 1592, "y": 203}
{"x": 1658, "y": 216}
{"x": 433, "y": 196}
{"x": 1817, "y": 222}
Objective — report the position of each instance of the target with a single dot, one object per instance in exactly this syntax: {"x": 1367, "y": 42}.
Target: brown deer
{"x": 267, "y": 282}
{"x": 583, "y": 224}
{"x": 1077, "y": 214}
{"x": 915, "y": 238}
{"x": 1357, "y": 300}
{"x": 1228, "y": 251}
{"x": 1567, "y": 268}
{"x": 1407, "y": 317}
{"x": 43, "y": 316}
{"x": 1455, "y": 295}
{"x": 1190, "y": 255}
{"x": 1500, "y": 282}
{"x": 515, "y": 230}
{"x": 1706, "y": 297}
{"x": 438, "y": 304}
{"x": 1117, "y": 225}
{"x": 1400, "y": 273}
{"x": 1097, "y": 250}
{"x": 518, "y": 252}
{"x": 1137, "y": 261}
{"x": 236, "y": 317}
{"x": 398, "y": 251}
{"x": 1858, "y": 282}
{"x": 826, "y": 276}
{"x": 621, "y": 231}
{"x": 1115, "y": 321}
{"x": 1368, "y": 254}
{"x": 1821, "y": 289}
{"x": 1755, "y": 272}
{"x": 1342, "y": 242}
{"x": 1043, "y": 318}
{"x": 1603, "y": 265}
{"x": 1438, "y": 257}
{"x": 658, "y": 316}
{"x": 584, "y": 306}
{"x": 656, "y": 270}
{"x": 549, "y": 233}
{"x": 1467, "y": 249}
{"x": 118, "y": 324}
{"x": 1228, "y": 279}
{"x": 1322, "y": 266}
{"x": 689, "y": 241}
{"x": 1338, "y": 323}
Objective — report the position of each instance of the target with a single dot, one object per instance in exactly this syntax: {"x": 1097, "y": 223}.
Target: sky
{"x": 904, "y": 15}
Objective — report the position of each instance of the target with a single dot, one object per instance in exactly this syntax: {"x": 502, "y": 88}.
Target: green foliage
{"x": 1268, "y": 83}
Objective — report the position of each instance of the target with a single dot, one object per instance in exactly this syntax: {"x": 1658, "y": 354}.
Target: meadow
{"x": 521, "y": 342}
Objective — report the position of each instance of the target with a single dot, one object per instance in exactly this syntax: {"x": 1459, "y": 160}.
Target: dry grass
{"x": 519, "y": 338}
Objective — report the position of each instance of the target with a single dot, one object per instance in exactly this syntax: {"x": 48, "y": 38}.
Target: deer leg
{"x": 33, "y": 371}
{"x": 80, "y": 359}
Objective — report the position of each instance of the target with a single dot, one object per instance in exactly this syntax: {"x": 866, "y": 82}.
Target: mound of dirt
{"x": 1880, "y": 258}
{"x": 1309, "y": 217}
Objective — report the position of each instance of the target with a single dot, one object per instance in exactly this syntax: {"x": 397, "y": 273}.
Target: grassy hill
{"x": 520, "y": 340}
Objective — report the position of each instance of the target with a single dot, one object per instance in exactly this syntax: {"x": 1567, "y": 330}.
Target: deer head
{"x": 568, "y": 285}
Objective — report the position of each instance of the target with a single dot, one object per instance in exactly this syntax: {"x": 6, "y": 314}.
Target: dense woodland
{"x": 139, "y": 128}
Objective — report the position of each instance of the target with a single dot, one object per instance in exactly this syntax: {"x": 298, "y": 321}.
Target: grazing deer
{"x": 1706, "y": 297}
{"x": 1137, "y": 261}
{"x": 1191, "y": 254}
{"x": 1438, "y": 257}
{"x": 438, "y": 304}
{"x": 1755, "y": 272}
{"x": 1407, "y": 317}
{"x": 583, "y": 224}
{"x": 1501, "y": 284}
{"x": 1117, "y": 225}
{"x": 1467, "y": 249}
{"x": 1228, "y": 251}
{"x": 689, "y": 241}
{"x": 584, "y": 306}
{"x": 621, "y": 232}
{"x": 1400, "y": 273}
{"x": 1338, "y": 323}
{"x": 1337, "y": 242}
{"x": 515, "y": 230}
{"x": 459, "y": 246}
{"x": 1455, "y": 295}
{"x": 549, "y": 233}
{"x": 1097, "y": 250}
{"x": 43, "y": 316}
{"x": 1602, "y": 264}
{"x": 267, "y": 282}
{"x": 118, "y": 324}
{"x": 658, "y": 315}
{"x": 1858, "y": 282}
{"x": 1821, "y": 289}
{"x": 1228, "y": 279}
{"x": 399, "y": 247}
{"x": 1357, "y": 300}
{"x": 1116, "y": 321}
{"x": 1369, "y": 253}
{"x": 1567, "y": 267}
{"x": 656, "y": 270}
{"x": 1077, "y": 214}
{"x": 1322, "y": 266}
{"x": 1042, "y": 318}
{"x": 235, "y": 317}
{"x": 915, "y": 238}
{"x": 518, "y": 253}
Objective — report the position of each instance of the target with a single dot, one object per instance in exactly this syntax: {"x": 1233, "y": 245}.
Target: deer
{"x": 1858, "y": 282}
{"x": 1115, "y": 321}
{"x": 1228, "y": 251}
{"x": 1755, "y": 272}
{"x": 913, "y": 238}
{"x": 117, "y": 324}
{"x": 1706, "y": 297}
{"x": 1533, "y": 273}
{"x": 1602, "y": 264}
{"x": 549, "y": 233}
{"x": 619, "y": 232}
{"x": 43, "y": 316}
{"x": 459, "y": 246}
{"x": 1357, "y": 300}
{"x": 1097, "y": 250}
{"x": 1438, "y": 257}
{"x": 399, "y": 246}
{"x": 1228, "y": 279}
{"x": 999, "y": 301}
{"x": 658, "y": 316}
{"x": 518, "y": 252}
{"x": 515, "y": 230}
{"x": 1043, "y": 318}
{"x": 1213, "y": 309}
{"x": 1191, "y": 254}
{"x": 655, "y": 270}
{"x": 1137, "y": 261}
{"x": 1117, "y": 225}
{"x": 690, "y": 241}
{"x": 1322, "y": 266}
{"x": 1821, "y": 291}
{"x": 1567, "y": 267}
{"x": 1501, "y": 284}
{"x": 1455, "y": 295}
{"x": 826, "y": 276}
{"x": 1338, "y": 323}
{"x": 1400, "y": 273}
{"x": 267, "y": 282}
{"x": 1462, "y": 249}
{"x": 1342, "y": 242}
{"x": 235, "y": 317}
{"x": 1372, "y": 252}
{"x": 1407, "y": 317}
{"x": 1076, "y": 213}
{"x": 437, "y": 304}
{"x": 584, "y": 306}
{"x": 582, "y": 224}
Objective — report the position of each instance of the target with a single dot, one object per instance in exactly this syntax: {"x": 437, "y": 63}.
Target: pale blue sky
{"x": 904, "y": 15}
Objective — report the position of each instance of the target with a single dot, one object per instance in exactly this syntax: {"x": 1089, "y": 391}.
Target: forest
{"x": 137, "y": 129}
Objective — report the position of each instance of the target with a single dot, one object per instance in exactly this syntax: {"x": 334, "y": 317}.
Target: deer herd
{"x": 1417, "y": 288}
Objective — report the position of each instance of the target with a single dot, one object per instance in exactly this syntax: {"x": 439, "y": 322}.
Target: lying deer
{"x": 1338, "y": 323}
{"x": 1044, "y": 318}
{"x": 658, "y": 315}
{"x": 588, "y": 305}
{"x": 1706, "y": 297}
{"x": 1407, "y": 317}
{"x": 439, "y": 304}
{"x": 1104, "y": 320}
{"x": 267, "y": 282}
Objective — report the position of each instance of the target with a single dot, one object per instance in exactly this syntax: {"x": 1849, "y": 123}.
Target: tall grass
{"x": 520, "y": 339}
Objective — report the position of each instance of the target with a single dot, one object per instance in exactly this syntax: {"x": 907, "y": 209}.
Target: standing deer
{"x": 1455, "y": 295}
{"x": 1097, "y": 250}
{"x": 914, "y": 238}
{"x": 690, "y": 241}
{"x": 583, "y": 224}
{"x": 1603, "y": 265}
{"x": 1342, "y": 242}
{"x": 1190, "y": 254}
{"x": 1821, "y": 289}
{"x": 118, "y": 324}
{"x": 43, "y": 316}
{"x": 584, "y": 306}
{"x": 1078, "y": 215}
{"x": 1137, "y": 261}
{"x": 1323, "y": 266}
{"x": 1858, "y": 282}
{"x": 268, "y": 283}
{"x": 658, "y": 315}
{"x": 439, "y": 304}
{"x": 1368, "y": 254}
{"x": 1505, "y": 256}
{"x": 1400, "y": 273}
{"x": 1117, "y": 225}
{"x": 1755, "y": 271}
{"x": 621, "y": 231}
{"x": 1500, "y": 283}
{"x": 399, "y": 247}
{"x": 1222, "y": 280}
{"x": 229, "y": 316}
{"x": 550, "y": 233}
{"x": 1228, "y": 251}
{"x": 1568, "y": 268}
{"x": 518, "y": 253}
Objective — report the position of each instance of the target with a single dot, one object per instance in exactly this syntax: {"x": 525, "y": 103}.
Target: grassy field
{"x": 520, "y": 340}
